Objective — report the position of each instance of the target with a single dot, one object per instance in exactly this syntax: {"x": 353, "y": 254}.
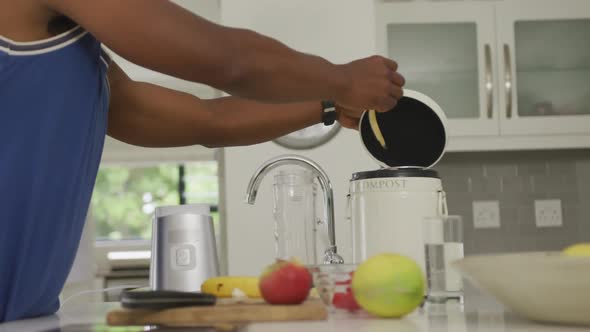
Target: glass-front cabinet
{"x": 445, "y": 51}
{"x": 544, "y": 69}
{"x": 497, "y": 68}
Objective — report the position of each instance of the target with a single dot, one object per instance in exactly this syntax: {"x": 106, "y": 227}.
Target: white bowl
{"x": 541, "y": 286}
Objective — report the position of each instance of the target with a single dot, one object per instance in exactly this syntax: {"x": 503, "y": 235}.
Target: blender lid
{"x": 413, "y": 131}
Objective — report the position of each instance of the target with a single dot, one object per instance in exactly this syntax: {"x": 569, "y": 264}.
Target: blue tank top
{"x": 54, "y": 98}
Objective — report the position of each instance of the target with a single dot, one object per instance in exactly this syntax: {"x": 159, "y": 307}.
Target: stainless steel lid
{"x": 414, "y": 132}
{"x": 396, "y": 173}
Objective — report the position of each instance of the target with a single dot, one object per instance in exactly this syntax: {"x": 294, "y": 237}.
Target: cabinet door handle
{"x": 508, "y": 80}
{"x": 489, "y": 81}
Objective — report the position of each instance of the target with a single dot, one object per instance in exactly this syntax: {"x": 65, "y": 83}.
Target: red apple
{"x": 285, "y": 282}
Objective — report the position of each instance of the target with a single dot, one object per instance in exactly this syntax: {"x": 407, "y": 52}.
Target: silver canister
{"x": 184, "y": 252}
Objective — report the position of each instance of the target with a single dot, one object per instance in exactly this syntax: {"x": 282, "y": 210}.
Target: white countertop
{"x": 478, "y": 313}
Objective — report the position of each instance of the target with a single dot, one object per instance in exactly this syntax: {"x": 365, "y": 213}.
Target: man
{"x": 59, "y": 90}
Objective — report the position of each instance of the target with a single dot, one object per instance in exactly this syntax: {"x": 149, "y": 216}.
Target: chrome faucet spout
{"x": 330, "y": 256}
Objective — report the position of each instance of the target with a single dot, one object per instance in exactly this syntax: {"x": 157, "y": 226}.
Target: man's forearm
{"x": 269, "y": 70}
{"x": 244, "y": 122}
{"x": 148, "y": 115}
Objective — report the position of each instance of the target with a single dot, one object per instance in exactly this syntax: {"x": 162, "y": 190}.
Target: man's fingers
{"x": 392, "y": 65}
{"x": 398, "y": 79}
{"x": 385, "y": 104}
{"x": 397, "y": 92}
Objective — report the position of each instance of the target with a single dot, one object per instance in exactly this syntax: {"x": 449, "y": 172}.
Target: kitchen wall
{"x": 250, "y": 244}
{"x": 516, "y": 180}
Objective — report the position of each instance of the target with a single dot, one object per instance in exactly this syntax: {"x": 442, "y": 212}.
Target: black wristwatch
{"x": 329, "y": 114}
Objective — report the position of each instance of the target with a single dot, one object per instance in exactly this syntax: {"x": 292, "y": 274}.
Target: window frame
{"x": 102, "y": 248}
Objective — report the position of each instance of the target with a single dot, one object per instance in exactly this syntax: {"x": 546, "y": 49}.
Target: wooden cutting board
{"x": 226, "y": 314}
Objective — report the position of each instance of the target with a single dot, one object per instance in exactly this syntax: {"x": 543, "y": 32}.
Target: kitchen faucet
{"x": 330, "y": 255}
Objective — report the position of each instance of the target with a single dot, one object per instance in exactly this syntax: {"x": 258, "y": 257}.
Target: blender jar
{"x": 294, "y": 214}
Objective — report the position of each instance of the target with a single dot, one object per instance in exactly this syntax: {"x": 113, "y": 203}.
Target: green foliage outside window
{"x": 124, "y": 198}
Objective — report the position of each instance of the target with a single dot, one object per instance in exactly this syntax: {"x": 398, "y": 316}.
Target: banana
{"x": 224, "y": 286}
{"x": 375, "y": 128}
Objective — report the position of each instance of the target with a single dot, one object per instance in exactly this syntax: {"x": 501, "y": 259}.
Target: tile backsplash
{"x": 516, "y": 180}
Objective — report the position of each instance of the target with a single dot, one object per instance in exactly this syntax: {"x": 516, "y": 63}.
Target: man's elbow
{"x": 232, "y": 73}
{"x": 239, "y": 67}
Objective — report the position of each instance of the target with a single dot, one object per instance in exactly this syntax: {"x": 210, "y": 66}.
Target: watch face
{"x": 309, "y": 137}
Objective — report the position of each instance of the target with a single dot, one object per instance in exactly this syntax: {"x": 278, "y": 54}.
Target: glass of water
{"x": 443, "y": 241}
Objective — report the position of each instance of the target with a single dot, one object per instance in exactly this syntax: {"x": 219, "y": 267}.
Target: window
{"x": 125, "y": 197}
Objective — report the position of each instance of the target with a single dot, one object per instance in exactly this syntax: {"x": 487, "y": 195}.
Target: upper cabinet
{"x": 445, "y": 50}
{"x": 508, "y": 74}
{"x": 544, "y": 67}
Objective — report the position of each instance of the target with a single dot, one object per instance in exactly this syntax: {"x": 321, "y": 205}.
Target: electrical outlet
{"x": 548, "y": 213}
{"x": 486, "y": 214}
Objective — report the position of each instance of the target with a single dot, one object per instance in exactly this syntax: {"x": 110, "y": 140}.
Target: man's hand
{"x": 348, "y": 118}
{"x": 371, "y": 83}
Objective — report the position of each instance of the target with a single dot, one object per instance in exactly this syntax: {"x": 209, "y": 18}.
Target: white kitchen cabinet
{"x": 508, "y": 74}
{"x": 445, "y": 50}
{"x": 544, "y": 67}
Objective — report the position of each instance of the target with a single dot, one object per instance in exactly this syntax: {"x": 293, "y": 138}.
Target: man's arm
{"x": 163, "y": 36}
{"x": 148, "y": 115}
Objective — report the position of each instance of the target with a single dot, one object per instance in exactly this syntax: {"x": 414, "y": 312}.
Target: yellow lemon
{"x": 579, "y": 249}
{"x": 388, "y": 285}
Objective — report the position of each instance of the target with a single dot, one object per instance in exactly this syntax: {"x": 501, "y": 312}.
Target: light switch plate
{"x": 548, "y": 213}
{"x": 486, "y": 214}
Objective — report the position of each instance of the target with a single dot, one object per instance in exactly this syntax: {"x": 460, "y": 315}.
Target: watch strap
{"x": 329, "y": 114}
